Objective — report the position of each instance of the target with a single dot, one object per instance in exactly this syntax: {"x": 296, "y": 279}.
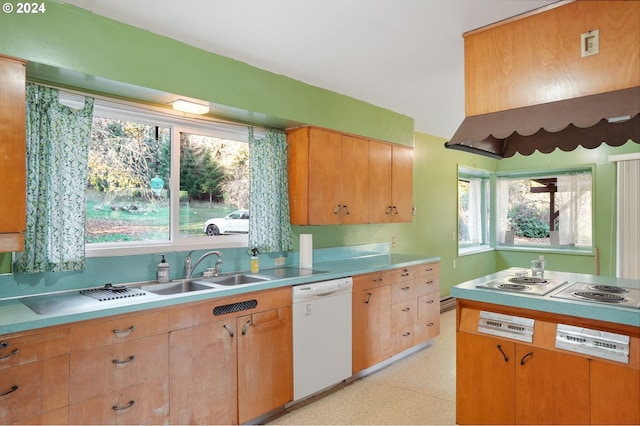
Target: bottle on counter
{"x": 537, "y": 267}
{"x": 255, "y": 261}
{"x": 163, "y": 271}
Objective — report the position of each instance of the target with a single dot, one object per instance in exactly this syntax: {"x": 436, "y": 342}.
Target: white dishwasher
{"x": 321, "y": 335}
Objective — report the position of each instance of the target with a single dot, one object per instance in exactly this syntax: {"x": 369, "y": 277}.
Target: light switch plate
{"x": 590, "y": 43}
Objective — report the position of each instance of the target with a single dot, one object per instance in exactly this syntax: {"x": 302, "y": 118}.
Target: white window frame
{"x": 468, "y": 173}
{"x": 530, "y": 174}
{"x": 177, "y": 122}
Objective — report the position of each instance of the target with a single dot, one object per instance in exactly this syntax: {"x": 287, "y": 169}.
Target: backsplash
{"x": 126, "y": 269}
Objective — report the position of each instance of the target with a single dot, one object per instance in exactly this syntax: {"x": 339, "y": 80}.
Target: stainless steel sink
{"x": 235, "y": 279}
{"x": 185, "y": 286}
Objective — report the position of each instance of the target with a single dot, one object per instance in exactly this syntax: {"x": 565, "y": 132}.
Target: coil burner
{"x": 596, "y": 293}
{"x": 525, "y": 285}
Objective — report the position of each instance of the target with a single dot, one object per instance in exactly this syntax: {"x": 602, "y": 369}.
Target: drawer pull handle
{"x": 13, "y": 389}
{"x": 430, "y": 301}
{"x": 126, "y": 361}
{"x": 12, "y": 354}
{"x": 124, "y": 333}
{"x": 229, "y": 329}
{"x": 407, "y": 334}
{"x": 377, "y": 280}
{"x": 506, "y": 359}
{"x": 405, "y": 288}
{"x": 526, "y": 358}
{"x": 431, "y": 324}
{"x": 129, "y": 405}
{"x": 245, "y": 328}
{"x": 429, "y": 282}
{"x": 405, "y": 273}
{"x": 406, "y": 309}
{"x": 368, "y": 297}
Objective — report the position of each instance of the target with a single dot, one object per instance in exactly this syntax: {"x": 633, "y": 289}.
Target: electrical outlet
{"x": 454, "y": 264}
{"x": 590, "y": 43}
{"x": 394, "y": 243}
{"x": 453, "y": 236}
{"x": 279, "y": 261}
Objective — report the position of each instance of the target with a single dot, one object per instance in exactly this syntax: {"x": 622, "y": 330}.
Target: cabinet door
{"x": 551, "y": 387}
{"x": 203, "y": 366}
{"x": 325, "y": 177}
{"x": 354, "y": 168}
{"x": 485, "y": 381}
{"x": 265, "y": 362}
{"x": 379, "y": 182}
{"x": 402, "y": 184}
{"x": 373, "y": 343}
{"x": 12, "y": 154}
{"x": 615, "y": 394}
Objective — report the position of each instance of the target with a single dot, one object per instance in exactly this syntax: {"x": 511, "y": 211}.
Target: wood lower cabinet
{"x": 232, "y": 358}
{"x": 505, "y": 381}
{"x": 119, "y": 370}
{"x": 13, "y": 216}
{"x": 393, "y": 311}
{"x": 34, "y": 377}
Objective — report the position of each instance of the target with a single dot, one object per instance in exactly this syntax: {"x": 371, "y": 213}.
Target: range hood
{"x": 612, "y": 118}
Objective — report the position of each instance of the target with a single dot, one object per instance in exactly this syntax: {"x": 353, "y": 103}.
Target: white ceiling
{"x": 403, "y": 55}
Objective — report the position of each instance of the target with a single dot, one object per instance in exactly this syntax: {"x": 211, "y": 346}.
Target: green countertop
{"x": 15, "y": 316}
{"x": 597, "y": 311}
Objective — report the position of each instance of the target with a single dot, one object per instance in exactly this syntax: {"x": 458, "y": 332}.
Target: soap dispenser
{"x": 255, "y": 262}
{"x": 163, "y": 271}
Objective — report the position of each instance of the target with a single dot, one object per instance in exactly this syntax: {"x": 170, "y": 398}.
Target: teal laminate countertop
{"x": 15, "y": 316}
{"x": 596, "y": 311}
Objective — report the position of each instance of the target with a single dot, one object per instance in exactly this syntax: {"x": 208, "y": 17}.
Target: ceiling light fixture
{"x": 191, "y": 107}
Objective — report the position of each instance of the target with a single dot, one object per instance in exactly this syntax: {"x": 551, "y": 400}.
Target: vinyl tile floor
{"x": 419, "y": 389}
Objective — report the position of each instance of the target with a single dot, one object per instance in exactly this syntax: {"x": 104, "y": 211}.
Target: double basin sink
{"x": 202, "y": 283}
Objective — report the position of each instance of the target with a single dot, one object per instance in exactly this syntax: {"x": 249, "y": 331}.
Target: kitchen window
{"x": 545, "y": 210}
{"x": 473, "y": 210}
{"x": 155, "y": 178}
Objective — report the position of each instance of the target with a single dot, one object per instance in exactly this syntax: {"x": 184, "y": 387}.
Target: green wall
{"x": 70, "y": 44}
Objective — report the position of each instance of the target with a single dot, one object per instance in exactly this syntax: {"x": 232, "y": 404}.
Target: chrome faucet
{"x": 188, "y": 268}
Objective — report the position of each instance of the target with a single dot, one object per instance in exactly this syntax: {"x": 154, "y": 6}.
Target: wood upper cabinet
{"x": 391, "y": 183}
{"x": 537, "y": 59}
{"x": 12, "y": 154}
{"x": 328, "y": 177}
{"x": 342, "y": 179}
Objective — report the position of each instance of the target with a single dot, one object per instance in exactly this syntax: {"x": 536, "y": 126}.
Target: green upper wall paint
{"x": 75, "y": 46}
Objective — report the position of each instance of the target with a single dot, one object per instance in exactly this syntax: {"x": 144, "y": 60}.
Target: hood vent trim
{"x": 612, "y": 118}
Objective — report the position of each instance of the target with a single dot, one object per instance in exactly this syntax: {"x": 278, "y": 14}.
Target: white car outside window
{"x": 233, "y": 223}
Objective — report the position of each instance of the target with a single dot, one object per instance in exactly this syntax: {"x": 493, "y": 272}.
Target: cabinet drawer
{"x": 428, "y": 325}
{"x": 404, "y": 316}
{"x": 146, "y": 403}
{"x": 406, "y": 290}
{"x": 404, "y": 274}
{"x": 118, "y": 329}
{"x": 431, "y": 270}
{"x": 31, "y": 389}
{"x": 102, "y": 370}
{"x": 371, "y": 280}
{"x": 21, "y": 348}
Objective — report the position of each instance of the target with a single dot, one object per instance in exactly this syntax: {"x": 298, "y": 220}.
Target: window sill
{"x": 465, "y": 251}
{"x": 203, "y": 243}
{"x": 555, "y": 250}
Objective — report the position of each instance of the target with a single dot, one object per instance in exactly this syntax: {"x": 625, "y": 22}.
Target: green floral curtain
{"x": 269, "y": 224}
{"x": 57, "y": 154}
